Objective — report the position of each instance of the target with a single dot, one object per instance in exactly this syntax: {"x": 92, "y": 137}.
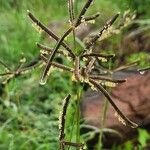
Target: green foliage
{"x": 140, "y": 142}
{"x": 140, "y": 6}
{"x": 143, "y": 137}
{"x": 143, "y": 58}
{"x": 128, "y": 145}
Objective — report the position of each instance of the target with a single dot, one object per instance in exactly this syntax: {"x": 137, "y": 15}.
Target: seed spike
{"x": 105, "y": 28}
{"x": 99, "y": 55}
{"x": 62, "y": 121}
{"x": 125, "y": 119}
{"x": 96, "y": 77}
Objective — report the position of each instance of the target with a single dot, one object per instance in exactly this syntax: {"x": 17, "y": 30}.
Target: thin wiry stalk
{"x": 62, "y": 67}
{"x": 7, "y": 80}
{"x": 117, "y": 69}
{"x": 99, "y": 55}
{"x": 101, "y": 89}
{"x": 49, "y": 32}
{"x": 102, "y": 71}
{"x": 5, "y": 65}
{"x": 62, "y": 122}
{"x": 33, "y": 62}
{"x": 21, "y": 63}
{"x": 126, "y": 66}
{"x": 96, "y": 77}
{"x": 93, "y": 17}
{"x": 25, "y": 70}
{"x": 6, "y": 74}
{"x": 19, "y": 66}
{"x": 44, "y": 47}
{"x": 21, "y": 69}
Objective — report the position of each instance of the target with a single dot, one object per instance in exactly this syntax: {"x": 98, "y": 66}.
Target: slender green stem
{"x": 71, "y": 132}
{"x": 76, "y": 6}
{"x": 78, "y": 115}
{"x": 71, "y": 14}
{"x": 103, "y": 118}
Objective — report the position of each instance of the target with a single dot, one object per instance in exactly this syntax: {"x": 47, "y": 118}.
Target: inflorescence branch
{"x": 83, "y": 73}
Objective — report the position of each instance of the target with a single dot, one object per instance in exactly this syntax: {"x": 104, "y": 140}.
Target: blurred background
{"x": 28, "y": 111}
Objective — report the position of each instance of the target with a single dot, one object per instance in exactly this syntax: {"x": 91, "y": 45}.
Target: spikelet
{"x": 50, "y": 70}
{"x": 89, "y": 51}
{"x": 102, "y": 59}
{"x": 91, "y": 21}
{"x": 66, "y": 38}
{"x": 83, "y": 20}
{"x": 7, "y": 79}
{"x": 23, "y": 60}
{"x": 109, "y": 84}
{"x": 106, "y": 33}
{"x": 37, "y": 28}
{"x": 65, "y": 53}
{"x": 91, "y": 85}
{"x": 60, "y": 120}
{"x": 84, "y": 59}
{"x": 120, "y": 119}
{"x": 43, "y": 52}
{"x": 73, "y": 78}
{"x": 26, "y": 71}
